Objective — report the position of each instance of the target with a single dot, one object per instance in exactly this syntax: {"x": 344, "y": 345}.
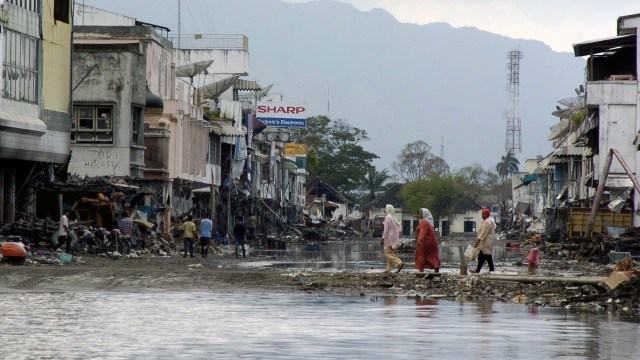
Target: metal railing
{"x": 210, "y": 41}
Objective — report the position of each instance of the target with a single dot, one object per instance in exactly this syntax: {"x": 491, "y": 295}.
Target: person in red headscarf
{"x": 484, "y": 243}
{"x": 427, "y": 254}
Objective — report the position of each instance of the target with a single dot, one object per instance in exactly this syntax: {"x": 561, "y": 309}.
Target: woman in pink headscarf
{"x": 427, "y": 254}
{"x": 391, "y": 239}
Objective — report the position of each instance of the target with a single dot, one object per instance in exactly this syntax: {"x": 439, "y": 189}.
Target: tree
{"x": 415, "y": 161}
{"x": 508, "y": 165}
{"x": 437, "y": 193}
{"x": 373, "y": 182}
{"x": 471, "y": 181}
{"x": 335, "y": 153}
{"x": 501, "y": 189}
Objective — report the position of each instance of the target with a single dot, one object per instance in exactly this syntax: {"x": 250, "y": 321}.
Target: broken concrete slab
{"x": 617, "y": 278}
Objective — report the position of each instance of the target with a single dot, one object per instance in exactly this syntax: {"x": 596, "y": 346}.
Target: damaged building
{"x": 36, "y": 102}
{"x": 596, "y": 143}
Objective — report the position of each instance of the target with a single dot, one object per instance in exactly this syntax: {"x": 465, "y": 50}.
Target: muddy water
{"x": 263, "y": 326}
{"x": 361, "y": 255}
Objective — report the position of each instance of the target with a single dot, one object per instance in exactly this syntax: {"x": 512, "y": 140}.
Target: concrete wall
{"x": 457, "y": 221}
{"x": 118, "y": 80}
{"x": 31, "y": 132}
{"x": 88, "y": 15}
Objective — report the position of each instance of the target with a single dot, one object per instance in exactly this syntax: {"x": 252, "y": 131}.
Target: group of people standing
{"x": 241, "y": 233}
{"x": 427, "y": 255}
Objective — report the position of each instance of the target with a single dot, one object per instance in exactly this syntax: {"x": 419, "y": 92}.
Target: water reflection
{"x": 279, "y": 326}
{"x": 359, "y": 255}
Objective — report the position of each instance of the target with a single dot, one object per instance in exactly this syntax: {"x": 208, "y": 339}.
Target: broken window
{"x": 92, "y": 124}
{"x": 136, "y": 124}
{"x": 20, "y": 71}
{"x": 61, "y": 11}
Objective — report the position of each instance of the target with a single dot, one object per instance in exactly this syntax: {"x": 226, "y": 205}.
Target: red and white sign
{"x": 282, "y": 114}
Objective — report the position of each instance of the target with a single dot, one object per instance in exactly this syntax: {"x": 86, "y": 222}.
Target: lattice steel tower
{"x": 513, "y": 139}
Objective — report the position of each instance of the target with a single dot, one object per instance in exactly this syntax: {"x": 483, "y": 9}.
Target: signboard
{"x": 295, "y": 149}
{"x": 282, "y": 114}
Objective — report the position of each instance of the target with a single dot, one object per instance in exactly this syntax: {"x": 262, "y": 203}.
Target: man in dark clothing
{"x": 239, "y": 234}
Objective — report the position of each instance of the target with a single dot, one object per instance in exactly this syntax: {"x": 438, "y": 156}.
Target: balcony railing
{"x": 210, "y": 41}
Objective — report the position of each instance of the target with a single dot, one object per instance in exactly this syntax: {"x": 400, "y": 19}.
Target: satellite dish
{"x": 193, "y": 69}
{"x": 213, "y": 90}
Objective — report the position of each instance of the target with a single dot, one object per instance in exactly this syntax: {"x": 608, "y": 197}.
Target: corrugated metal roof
{"x": 602, "y": 45}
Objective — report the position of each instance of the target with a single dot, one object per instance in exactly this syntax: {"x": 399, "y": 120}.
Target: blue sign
{"x": 283, "y": 122}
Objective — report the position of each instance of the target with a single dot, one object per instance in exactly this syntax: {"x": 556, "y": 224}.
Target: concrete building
{"x": 36, "y": 99}
{"x": 604, "y": 115}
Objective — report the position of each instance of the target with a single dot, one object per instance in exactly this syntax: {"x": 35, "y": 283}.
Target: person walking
{"x": 188, "y": 233}
{"x": 252, "y": 224}
{"x": 427, "y": 253}
{"x": 484, "y": 243}
{"x": 63, "y": 233}
{"x": 239, "y": 234}
{"x": 206, "y": 228}
{"x": 391, "y": 239}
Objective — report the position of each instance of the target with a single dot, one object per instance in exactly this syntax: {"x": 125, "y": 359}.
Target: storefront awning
{"x": 247, "y": 85}
{"x": 229, "y": 130}
{"x": 288, "y": 165}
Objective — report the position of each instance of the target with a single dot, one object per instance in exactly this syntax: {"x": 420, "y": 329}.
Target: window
{"x": 20, "y": 72}
{"x": 92, "y": 124}
{"x": 214, "y": 150}
{"x": 30, "y": 5}
{"x": 61, "y": 10}
{"x": 137, "y": 122}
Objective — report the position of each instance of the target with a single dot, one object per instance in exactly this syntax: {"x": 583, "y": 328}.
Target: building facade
{"x": 35, "y": 113}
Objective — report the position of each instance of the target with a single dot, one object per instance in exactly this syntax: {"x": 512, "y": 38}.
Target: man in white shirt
{"x": 63, "y": 232}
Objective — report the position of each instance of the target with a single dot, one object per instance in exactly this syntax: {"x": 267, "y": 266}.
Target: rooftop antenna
{"x": 442, "y": 148}
{"x": 328, "y": 102}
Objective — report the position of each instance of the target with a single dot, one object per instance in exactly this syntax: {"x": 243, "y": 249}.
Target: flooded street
{"x": 361, "y": 255}
{"x": 285, "y": 326}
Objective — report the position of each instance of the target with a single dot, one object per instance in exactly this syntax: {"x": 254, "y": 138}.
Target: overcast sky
{"x": 558, "y": 23}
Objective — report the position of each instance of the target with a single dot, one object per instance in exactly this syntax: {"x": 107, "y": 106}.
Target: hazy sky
{"x": 558, "y": 23}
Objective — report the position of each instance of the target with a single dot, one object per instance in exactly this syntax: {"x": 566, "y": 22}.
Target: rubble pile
{"x": 32, "y": 230}
{"x": 319, "y": 229}
{"x": 599, "y": 248}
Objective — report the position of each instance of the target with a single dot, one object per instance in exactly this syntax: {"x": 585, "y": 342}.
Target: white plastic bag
{"x": 471, "y": 253}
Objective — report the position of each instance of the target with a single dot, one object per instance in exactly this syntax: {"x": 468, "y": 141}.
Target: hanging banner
{"x": 295, "y": 149}
{"x": 282, "y": 114}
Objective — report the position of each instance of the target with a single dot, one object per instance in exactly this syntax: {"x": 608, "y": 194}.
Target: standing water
{"x": 283, "y": 326}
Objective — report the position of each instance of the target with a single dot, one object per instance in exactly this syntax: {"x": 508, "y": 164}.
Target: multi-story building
{"x": 604, "y": 115}
{"x": 36, "y": 99}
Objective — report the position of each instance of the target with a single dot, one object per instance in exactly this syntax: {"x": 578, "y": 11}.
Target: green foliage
{"x": 335, "y": 153}
{"x": 373, "y": 182}
{"x": 500, "y": 188}
{"x": 437, "y": 193}
{"x": 578, "y": 117}
{"x": 508, "y": 165}
{"x": 471, "y": 181}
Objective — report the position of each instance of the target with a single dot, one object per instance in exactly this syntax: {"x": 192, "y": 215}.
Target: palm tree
{"x": 508, "y": 165}
{"x": 373, "y": 181}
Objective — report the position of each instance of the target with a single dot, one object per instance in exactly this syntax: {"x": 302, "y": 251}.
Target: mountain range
{"x": 400, "y": 82}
